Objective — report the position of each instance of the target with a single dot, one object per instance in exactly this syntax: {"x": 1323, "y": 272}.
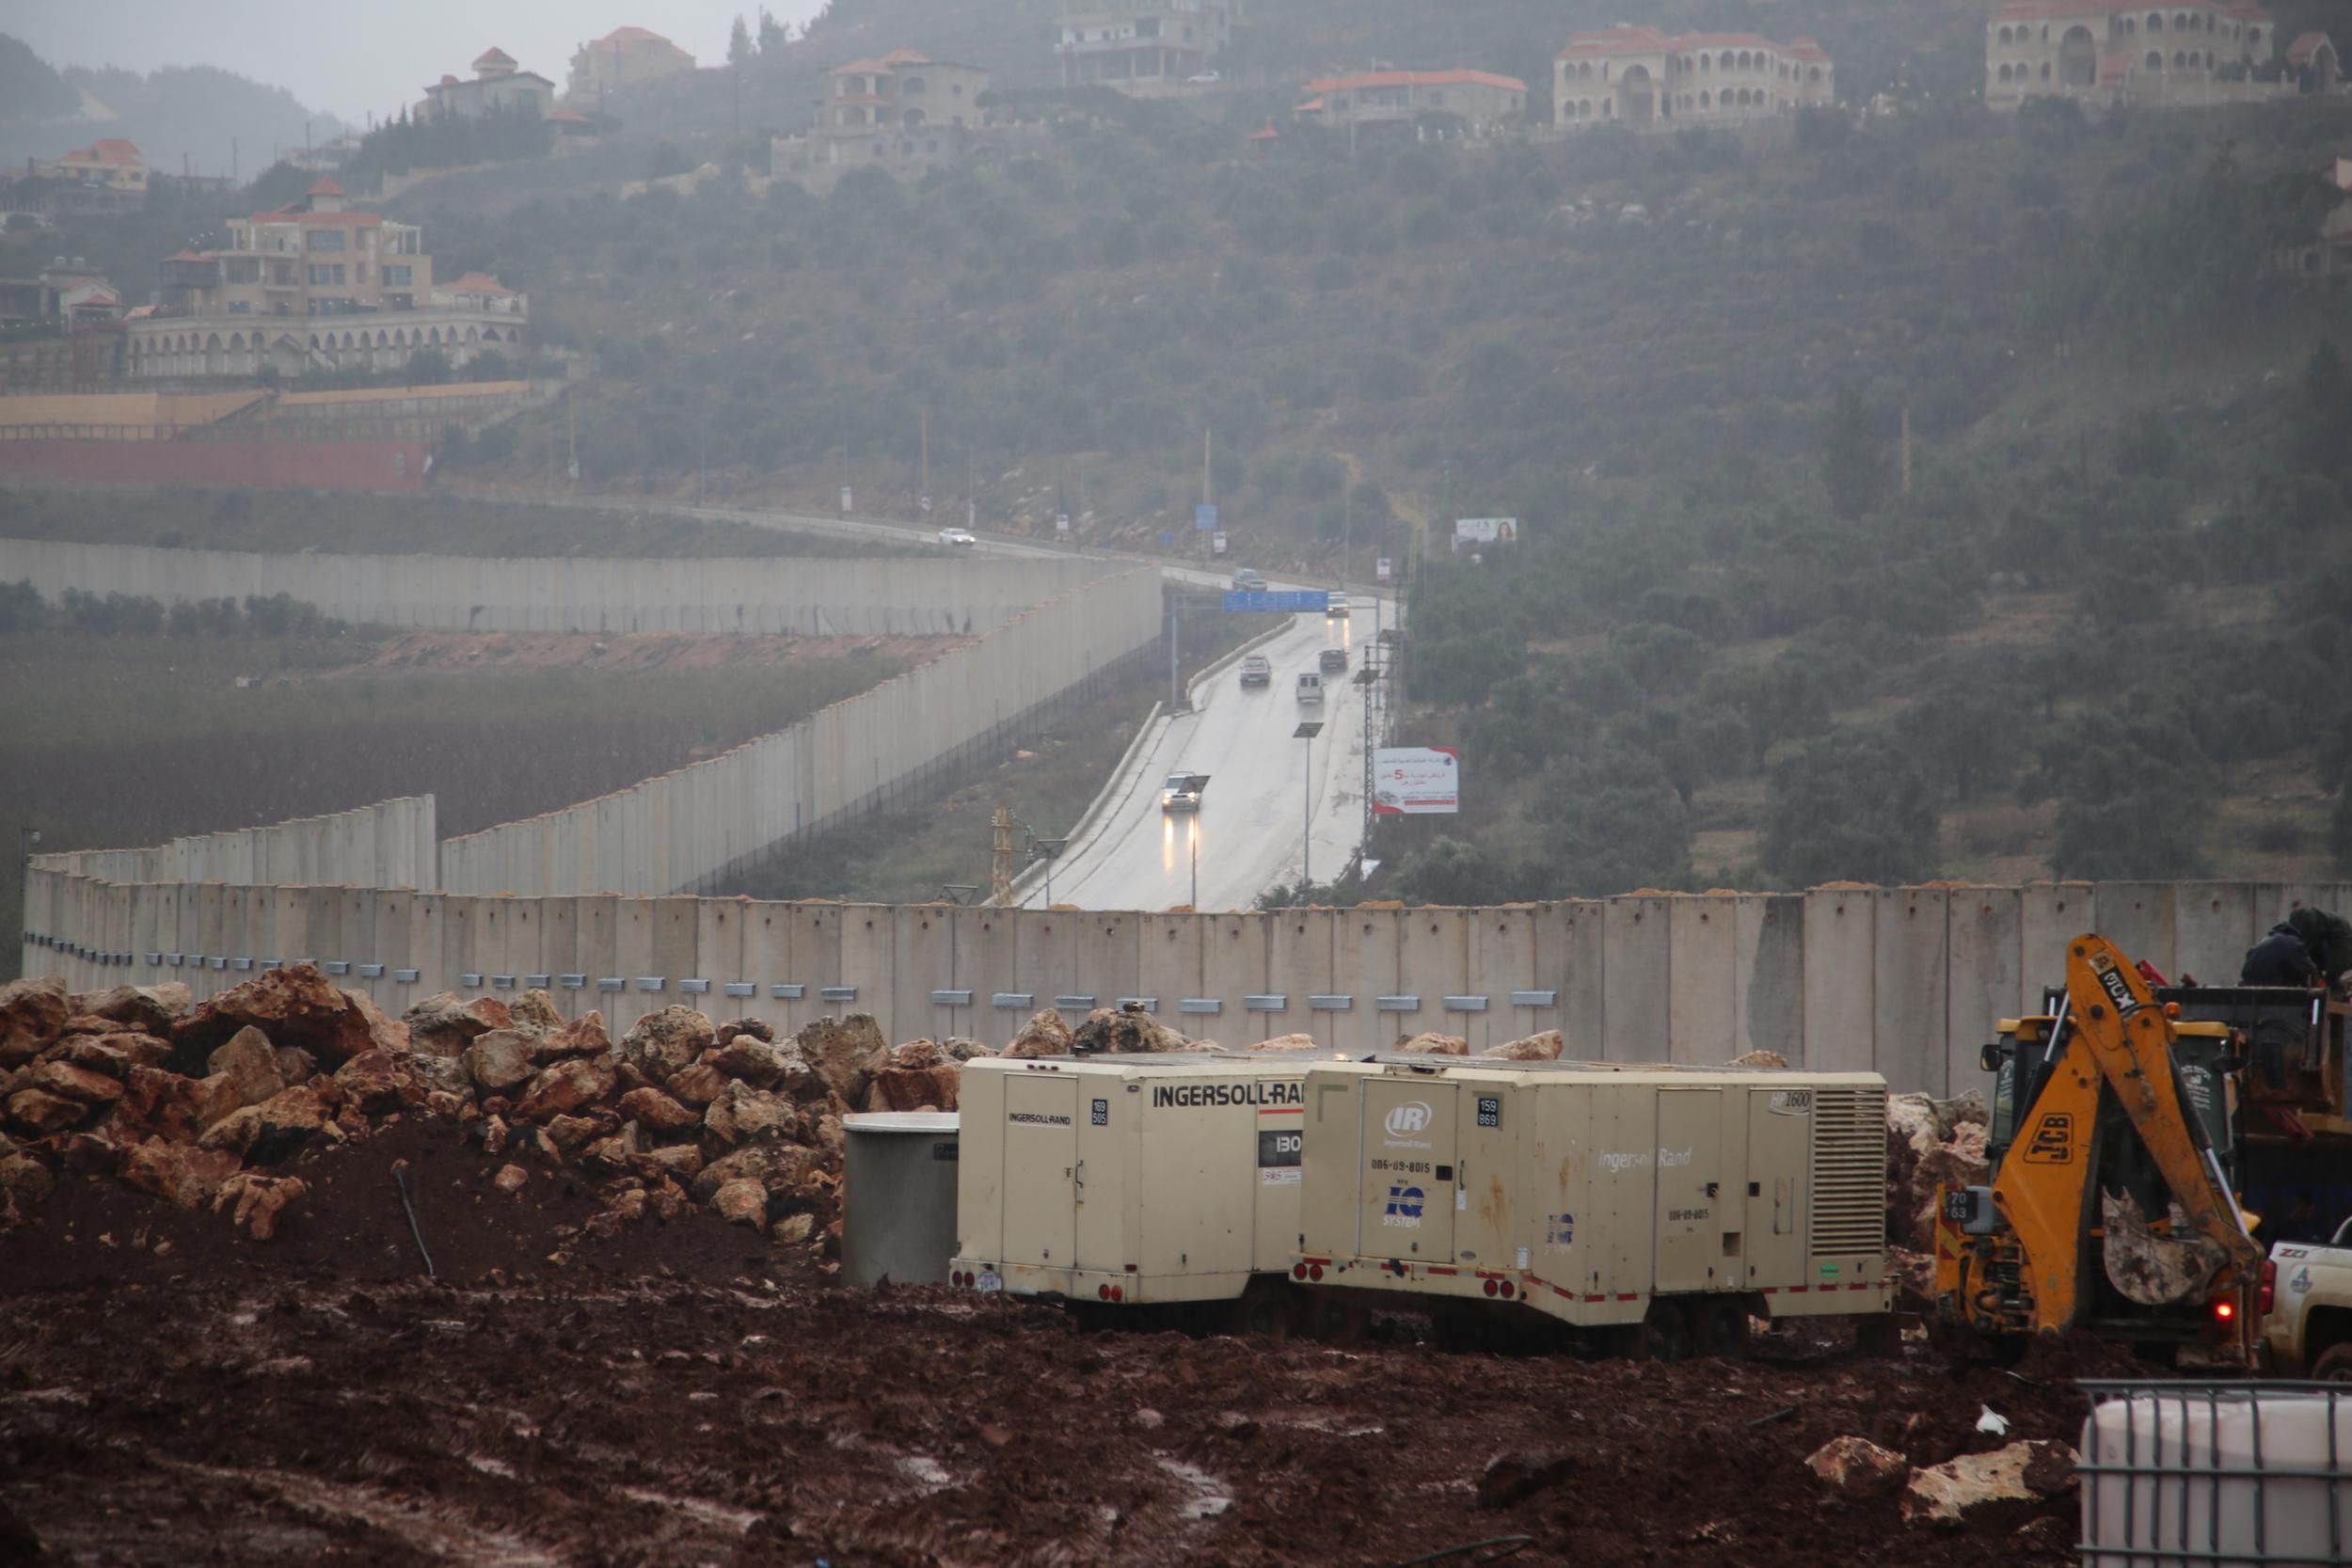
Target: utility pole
{"x": 1208, "y": 488}
{"x": 1307, "y": 732}
{"x": 1000, "y": 861}
{"x": 1347, "y": 531}
{"x": 1372, "y": 689}
{"x": 923, "y": 468}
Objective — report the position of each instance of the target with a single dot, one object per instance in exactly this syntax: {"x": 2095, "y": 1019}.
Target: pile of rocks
{"x": 200, "y": 1105}
{"x": 1945, "y": 1494}
{"x": 1930, "y": 1144}
{"x": 191, "y": 1105}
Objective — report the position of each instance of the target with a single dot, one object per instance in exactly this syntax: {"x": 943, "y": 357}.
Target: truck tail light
{"x": 1490, "y": 1287}
{"x": 1314, "y": 1271}
{"x": 1508, "y": 1290}
{"x": 1298, "y": 1271}
{"x": 1102, "y": 1293}
{"x": 1119, "y": 1292}
{"x": 2224, "y": 1310}
{"x": 2269, "y": 1296}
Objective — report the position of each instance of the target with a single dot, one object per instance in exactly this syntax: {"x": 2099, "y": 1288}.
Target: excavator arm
{"x": 2129, "y": 1038}
{"x": 2022, "y": 1257}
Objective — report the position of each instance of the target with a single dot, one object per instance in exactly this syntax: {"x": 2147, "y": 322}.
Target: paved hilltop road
{"x": 1249, "y": 831}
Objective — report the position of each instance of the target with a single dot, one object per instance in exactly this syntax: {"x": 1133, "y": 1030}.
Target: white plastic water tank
{"x": 899, "y": 1196}
{"x": 2215, "y": 1474}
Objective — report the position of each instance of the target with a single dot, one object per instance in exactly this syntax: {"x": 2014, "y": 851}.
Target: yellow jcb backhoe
{"x": 2110, "y": 1209}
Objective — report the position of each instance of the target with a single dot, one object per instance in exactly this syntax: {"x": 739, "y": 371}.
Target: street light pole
{"x": 1307, "y": 732}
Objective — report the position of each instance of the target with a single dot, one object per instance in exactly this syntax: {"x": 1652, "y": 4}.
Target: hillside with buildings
{"x": 1014, "y": 261}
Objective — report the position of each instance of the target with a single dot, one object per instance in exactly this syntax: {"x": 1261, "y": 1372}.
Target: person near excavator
{"x": 2310, "y": 947}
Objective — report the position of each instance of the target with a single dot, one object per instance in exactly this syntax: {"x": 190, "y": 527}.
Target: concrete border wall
{"x": 689, "y": 829}
{"x": 812, "y": 596}
{"x": 1906, "y": 981}
{"x": 391, "y": 844}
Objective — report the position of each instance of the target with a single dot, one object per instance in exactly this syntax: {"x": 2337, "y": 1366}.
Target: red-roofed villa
{"x": 110, "y": 163}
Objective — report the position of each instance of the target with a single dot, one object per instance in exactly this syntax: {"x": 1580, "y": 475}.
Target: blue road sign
{"x": 1293, "y": 603}
{"x": 1204, "y": 518}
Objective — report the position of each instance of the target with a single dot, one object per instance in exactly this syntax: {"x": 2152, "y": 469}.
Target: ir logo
{"x": 1410, "y": 1117}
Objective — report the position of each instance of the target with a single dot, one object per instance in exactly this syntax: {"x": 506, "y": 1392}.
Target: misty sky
{"x": 353, "y": 59}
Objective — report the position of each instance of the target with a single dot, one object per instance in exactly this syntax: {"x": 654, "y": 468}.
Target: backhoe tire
{"x": 2334, "y": 1364}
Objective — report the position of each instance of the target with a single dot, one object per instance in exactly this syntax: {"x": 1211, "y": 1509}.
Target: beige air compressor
{"x": 1645, "y": 1205}
{"x": 1132, "y": 1181}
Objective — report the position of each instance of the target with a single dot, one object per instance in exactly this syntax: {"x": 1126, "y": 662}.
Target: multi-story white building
{"x": 1129, "y": 43}
{"x": 1640, "y": 76}
{"x": 902, "y": 112}
{"x": 314, "y": 286}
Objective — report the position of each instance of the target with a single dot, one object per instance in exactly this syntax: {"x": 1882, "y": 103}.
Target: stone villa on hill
{"x": 2112, "y": 52}
{"x": 624, "y": 58}
{"x": 1641, "y": 76}
{"x": 314, "y": 286}
{"x": 497, "y": 84}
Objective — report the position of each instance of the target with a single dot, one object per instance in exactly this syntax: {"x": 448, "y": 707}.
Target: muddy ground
{"x": 172, "y": 1393}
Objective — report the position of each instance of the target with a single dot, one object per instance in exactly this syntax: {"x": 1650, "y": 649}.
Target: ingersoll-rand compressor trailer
{"x": 1649, "y": 1207}
{"x": 1128, "y": 1182}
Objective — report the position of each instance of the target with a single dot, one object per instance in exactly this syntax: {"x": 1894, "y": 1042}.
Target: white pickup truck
{"x": 2306, "y": 1308}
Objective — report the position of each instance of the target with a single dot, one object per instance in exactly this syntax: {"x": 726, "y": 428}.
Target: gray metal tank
{"x": 899, "y": 1196}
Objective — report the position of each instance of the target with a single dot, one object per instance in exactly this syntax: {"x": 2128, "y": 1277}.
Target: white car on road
{"x": 960, "y": 537}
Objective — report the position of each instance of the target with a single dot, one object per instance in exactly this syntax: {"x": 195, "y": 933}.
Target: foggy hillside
{"x": 198, "y": 116}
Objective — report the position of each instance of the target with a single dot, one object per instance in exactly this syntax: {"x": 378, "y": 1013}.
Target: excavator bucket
{"x": 2153, "y": 1270}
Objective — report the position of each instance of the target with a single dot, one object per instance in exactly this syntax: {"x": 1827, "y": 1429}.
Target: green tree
{"x": 1853, "y": 458}
{"x": 1613, "y": 823}
{"x": 2135, "y": 797}
{"x": 1453, "y": 872}
{"x": 773, "y": 35}
{"x": 739, "y": 49}
{"x": 1849, "y": 807}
